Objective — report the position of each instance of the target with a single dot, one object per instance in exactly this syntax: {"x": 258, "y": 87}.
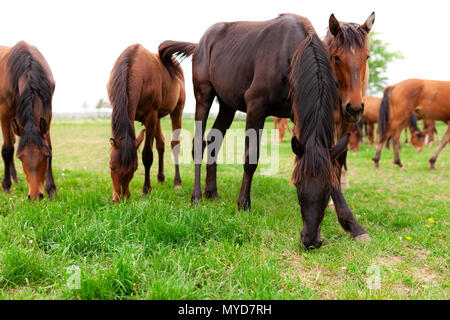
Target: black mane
{"x": 21, "y": 63}
{"x": 314, "y": 96}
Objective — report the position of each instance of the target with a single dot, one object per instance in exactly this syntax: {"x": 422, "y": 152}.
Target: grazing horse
{"x": 26, "y": 91}
{"x": 429, "y": 129}
{"x": 145, "y": 87}
{"x": 247, "y": 66}
{"x": 371, "y": 110}
{"x": 428, "y": 98}
{"x": 281, "y": 124}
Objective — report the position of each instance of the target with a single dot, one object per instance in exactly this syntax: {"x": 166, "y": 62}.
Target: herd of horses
{"x": 278, "y": 67}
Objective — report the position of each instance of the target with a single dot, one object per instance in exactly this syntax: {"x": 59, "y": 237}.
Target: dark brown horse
{"x": 429, "y": 99}
{"x": 144, "y": 87}
{"x": 247, "y": 66}
{"x": 429, "y": 130}
{"x": 26, "y": 90}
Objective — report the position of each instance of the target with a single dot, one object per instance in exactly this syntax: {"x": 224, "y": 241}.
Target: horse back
{"x": 371, "y": 108}
{"x": 152, "y": 85}
{"x": 238, "y": 56}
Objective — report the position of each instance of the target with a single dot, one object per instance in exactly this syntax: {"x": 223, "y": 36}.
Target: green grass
{"x": 161, "y": 247}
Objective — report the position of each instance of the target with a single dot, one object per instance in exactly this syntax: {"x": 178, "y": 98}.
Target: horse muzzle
{"x": 351, "y": 114}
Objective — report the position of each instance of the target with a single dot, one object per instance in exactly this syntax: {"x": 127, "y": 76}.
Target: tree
{"x": 102, "y": 104}
{"x": 380, "y": 58}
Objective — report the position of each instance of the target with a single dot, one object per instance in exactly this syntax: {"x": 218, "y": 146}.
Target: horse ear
{"x": 369, "y": 23}
{"x": 334, "y": 26}
{"x": 340, "y": 147}
{"x": 296, "y": 147}
{"x": 17, "y": 128}
{"x": 114, "y": 143}
{"x": 139, "y": 139}
{"x": 43, "y": 126}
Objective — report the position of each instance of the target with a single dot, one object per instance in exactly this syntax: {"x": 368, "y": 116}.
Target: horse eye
{"x": 337, "y": 59}
{"x": 367, "y": 57}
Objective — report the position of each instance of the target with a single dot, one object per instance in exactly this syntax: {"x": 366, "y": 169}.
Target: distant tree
{"x": 102, "y": 104}
{"x": 380, "y": 58}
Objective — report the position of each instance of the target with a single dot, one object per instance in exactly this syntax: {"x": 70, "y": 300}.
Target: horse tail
{"x": 313, "y": 93}
{"x": 168, "y": 50}
{"x": 118, "y": 95}
{"x": 22, "y": 65}
{"x": 384, "y": 114}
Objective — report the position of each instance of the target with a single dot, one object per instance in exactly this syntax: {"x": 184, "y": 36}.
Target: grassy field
{"x": 82, "y": 246}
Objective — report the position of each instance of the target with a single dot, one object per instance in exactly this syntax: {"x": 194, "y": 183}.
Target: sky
{"x": 82, "y": 39}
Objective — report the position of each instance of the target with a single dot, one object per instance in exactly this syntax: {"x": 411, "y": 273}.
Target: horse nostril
{"x": 29, "y": 197}
{"x": 41, "y": 196}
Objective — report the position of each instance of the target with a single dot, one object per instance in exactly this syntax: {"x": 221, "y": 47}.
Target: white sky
{"x": 82, "y": 39}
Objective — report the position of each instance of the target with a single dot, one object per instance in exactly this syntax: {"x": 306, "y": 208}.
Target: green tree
{"x": 380, "y": 58}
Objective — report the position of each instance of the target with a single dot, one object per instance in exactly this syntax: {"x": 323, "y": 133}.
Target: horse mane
{"x": 22, "y": 64}
{"x": 313, "y": 93}
{"x": 118, "y": 95}
{"x": 413, "y": 124}
{"x": 351, "y": 34}
{"x": 383, "y": 113}
{"x": 168, "y": 50}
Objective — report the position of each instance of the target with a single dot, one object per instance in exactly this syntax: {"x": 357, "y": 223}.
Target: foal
{"x": 145, "y": 87}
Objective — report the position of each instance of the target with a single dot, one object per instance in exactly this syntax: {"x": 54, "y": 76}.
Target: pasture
{"x": 82, "y": 246}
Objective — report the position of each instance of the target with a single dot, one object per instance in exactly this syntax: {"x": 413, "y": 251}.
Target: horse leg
{"x": 222, "y": 123}
{"x": 442, "y": 143}
{"x": 50, "y": 186}
{"x": 406, "y": 135}
{"x": 396, "y": 144}
{"x": 147, "y": 152}
{"x": 160, "y": 147}
{"x": 254, "y": 124}
{"x": 7, "y": 153}
{"x": 346, "y": 218}
{"x": 376, "y": 158}
{"x": 204, "y": 95}
{"x": 370, "y": 133}
{"x": 176, "y": 118}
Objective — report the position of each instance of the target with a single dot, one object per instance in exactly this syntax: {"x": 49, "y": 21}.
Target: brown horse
{"x": 371, "y": 110}
{"x": 428, "y": 98}
{"x": 247, "y": 66}
{"x": 429, "y": 129}
{"x": 281, "y": 124}
{"x": 144, "y": 87}
{"x": 26, "y": 91}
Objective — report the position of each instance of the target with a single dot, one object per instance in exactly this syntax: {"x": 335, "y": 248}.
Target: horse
{"x": 247, "y": 65}
{"x": 26, "y": 91}
{"x": 429, "y": 129}
{"x": 143, "y": 87}
{"x": 281, "y": 124}
{"x": 370, "y": 116}
{"x": 371, "y": 110}
{"x": 430, "y": 99}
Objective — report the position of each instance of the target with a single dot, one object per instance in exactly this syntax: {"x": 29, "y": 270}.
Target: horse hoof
{"x": 146, "y": 191}
{"x": 161, "y": 178}
{"x": 363, "y": 238}
{"x": 211, "y": 194}
{"x": 245, "y": 206}
{"x": 177, "y": 186}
